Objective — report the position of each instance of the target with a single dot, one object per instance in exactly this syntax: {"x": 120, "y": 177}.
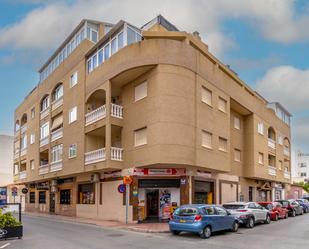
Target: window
{"x": 261, "y": 158}
{"x": 73, "y": 79}
{"x": 120, "y": 40}
{"x": 303, "y": 174}
{"x": 106, "y": 52}
{"x": 32, "y": 138}
{"x": 280, "y": 140}
{"x": 23, "y": 142}
{"x": 222, "y": 104}
{"x": 45, "y": 103}
{"x": 114, "y": 45}
{"x": 58, "y": 92}
{"x": 222, "y": 144}
{"x": 280, "y": 165}
{"x": 86, "y": 194}
{"x": 100, "y": 56}
{"x": 44, "y": 131}
{"x": 261, "y": 128}
{"x": 73, "y": 115}
{"x": 237, "y": 155}
{"x": 140, "y": 137}
{"x": 33, "y": 112}
{"x": 31, "y": 197}
{"x": 72, "y": 150}
{"x": 95, "y": 61}
{"x": 141, "y": 91}
{"x": 89, "y": 65}
{"x": 42, "y": 197}
{"x": 237, "y": 123}
{"x": 210, "y": 210}
{"x": 32, "y": 164}
{"x": 65, "y": 196}
{"x": 56, "y": 153}
{"x": 206, "y": 96}
{"x": 221, "y": 211}
{"x": 206, "y": 139}
{"x": 16, "y": 169}
{"x": 303, "y": 165}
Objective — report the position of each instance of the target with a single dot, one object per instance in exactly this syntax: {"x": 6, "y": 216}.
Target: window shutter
{"x": 141, "y": 91}
{"x": 206, "y": 139}
{"x": 206, "y": 96}
{"x": 222, "y": 105}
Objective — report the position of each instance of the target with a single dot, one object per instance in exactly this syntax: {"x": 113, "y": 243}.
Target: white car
{"x": 248, "y": 213}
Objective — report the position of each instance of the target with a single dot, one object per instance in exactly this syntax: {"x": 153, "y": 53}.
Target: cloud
{"x": 287, "y": 85}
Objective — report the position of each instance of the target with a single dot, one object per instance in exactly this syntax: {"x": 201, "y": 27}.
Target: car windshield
{"x": 233, "y": 206}
{"x": 186, "y": 211}
{"x": 266, "y": 205}
{"x": 303, "y": 201}
{"x": 284, "y": 203}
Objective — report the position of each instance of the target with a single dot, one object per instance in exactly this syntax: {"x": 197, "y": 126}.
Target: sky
{"x": 266, "y": 42}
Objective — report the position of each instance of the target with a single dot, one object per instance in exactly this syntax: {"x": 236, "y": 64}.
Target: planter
{"x": 11, "y": 232}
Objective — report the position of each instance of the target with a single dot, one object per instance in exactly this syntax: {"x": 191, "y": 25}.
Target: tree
{"x": 305, "y": 186}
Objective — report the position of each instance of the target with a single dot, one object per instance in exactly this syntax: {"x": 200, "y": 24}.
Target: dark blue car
{"x": 304, "y": 203}
{"x": 202, "y": 219}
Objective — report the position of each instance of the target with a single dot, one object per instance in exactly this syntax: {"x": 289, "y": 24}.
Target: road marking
{"x": 5, "y": 245}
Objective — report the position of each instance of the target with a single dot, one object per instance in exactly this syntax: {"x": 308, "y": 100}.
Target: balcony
{"x": 287, "y": 175}
{"x": 286, "y": 151}
{"x": 95, "y": 115}
{"x": 57, "y": 103}
{"x": 116, "y": 154}
{"x": 43, "y": 169}
{"x": 16, "y": 154}
{"x": 116, "y": 111}
{"x": 44, "y": 141}
{"x": 272, "y": 171}
{"x": 23, "y": 151}
{"x": 56, "y": 166}
{"x": 57, "y": 134}
{"x": 22, "y": 175}
{"x": 44, "y": 113}
{"x": 271, "y": 143}
{"x": 23, "y": 129}
{"x": 95, "y": 156}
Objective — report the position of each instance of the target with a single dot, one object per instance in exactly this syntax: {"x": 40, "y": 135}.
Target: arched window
{"x": 57, "y": 92}
{"x": 44, "y": 103}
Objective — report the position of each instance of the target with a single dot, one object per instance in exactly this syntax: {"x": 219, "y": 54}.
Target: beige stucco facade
{"x": 177, "y": 66}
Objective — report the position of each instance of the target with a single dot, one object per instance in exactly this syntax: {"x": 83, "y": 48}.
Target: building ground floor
{"x": 153, "y": 193}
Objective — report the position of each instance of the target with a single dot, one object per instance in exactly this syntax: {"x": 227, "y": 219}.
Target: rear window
{"x": 186, "y": 211}
{"x": 284, "y": 203}
{"x": 233, "y": 206}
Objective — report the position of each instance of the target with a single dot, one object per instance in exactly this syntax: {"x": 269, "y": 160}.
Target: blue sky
{"x": 265, "y": 42}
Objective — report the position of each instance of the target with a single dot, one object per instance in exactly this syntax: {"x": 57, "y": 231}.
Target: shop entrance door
{"x": 152, "y": 203}
{"x": 52, "y": 203}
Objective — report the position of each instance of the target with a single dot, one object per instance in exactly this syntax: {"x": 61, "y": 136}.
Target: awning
{"x": 57, "y": 122}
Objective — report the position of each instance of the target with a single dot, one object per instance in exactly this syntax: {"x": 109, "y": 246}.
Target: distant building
{"x": 301, "y": 170}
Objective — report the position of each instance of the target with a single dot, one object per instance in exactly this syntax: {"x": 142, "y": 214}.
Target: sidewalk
{"x": 143, "y": 228}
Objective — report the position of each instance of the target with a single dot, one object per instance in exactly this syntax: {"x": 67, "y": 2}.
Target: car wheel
{"x": 267, "y": 221}
{"x": 250, "y": 223}
{"x": 235, "y": 227}
{"x": 293, "y": 213}
{"x": 276, "y": 217}
{"x": 206, "y": 233}
{"x": 175, "y": 232}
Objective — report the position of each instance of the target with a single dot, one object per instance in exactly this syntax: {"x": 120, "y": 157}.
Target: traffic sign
{"x": 127, "y": 180}
{"x": 121, "y": 188}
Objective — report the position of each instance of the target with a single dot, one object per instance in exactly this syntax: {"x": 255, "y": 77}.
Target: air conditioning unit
{"x": 95, "y": 177}
{"x": 53, "y": 182}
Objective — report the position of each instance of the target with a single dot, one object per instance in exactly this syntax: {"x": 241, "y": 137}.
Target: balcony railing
{"x": 23, "y": 128}
{"x": 56, "y": 166}
{"x": 272, "y": 171}
{"x": 271, "y": 143}
{"x": 55, "y": 135}
{"x": 95, "y": 156}
{"x": 43, "y": 169}
{"x": 95, "y": 115}
{"x": 116, "y": 111}
{"x": 286, "y": 151}
{"x": 22, "y": 175}
{"x": 57, "y": 103}
{"x": 287, "y": 175}
{"x": 44, "y": 113}
{"x": 44, "y": 141}
{"x": 116, "y": 154}
{"x": 23, "y": 151}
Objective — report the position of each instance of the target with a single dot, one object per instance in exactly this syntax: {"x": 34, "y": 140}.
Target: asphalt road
{"x": 41, "y": 233}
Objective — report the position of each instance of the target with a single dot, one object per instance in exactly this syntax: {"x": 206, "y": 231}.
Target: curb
{"x": 142, "y": 230}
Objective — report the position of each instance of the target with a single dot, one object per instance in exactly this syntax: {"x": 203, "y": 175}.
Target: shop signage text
{"x": 159, "y": 172}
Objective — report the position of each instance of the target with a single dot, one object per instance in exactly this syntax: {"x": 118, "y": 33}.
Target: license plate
{"x": 182, "y": 221}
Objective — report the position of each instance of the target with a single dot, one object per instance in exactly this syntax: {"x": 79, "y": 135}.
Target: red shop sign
{"x": 159, "y": 172}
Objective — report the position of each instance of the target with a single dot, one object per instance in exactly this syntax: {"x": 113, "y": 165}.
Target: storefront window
{"x": 203, "y": 192}
{"x": 42, "y": 197}
{"x": 32, "y": 197}
{"x": 65, "y": 197}
{"x": 86, "y": 193}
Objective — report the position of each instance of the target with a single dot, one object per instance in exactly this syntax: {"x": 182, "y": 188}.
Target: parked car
{"x": 306, "y": 197}
{"x": 305, "y": 204}
{"x": 248, "y": 213}
{"x": 276, "y": 210}
{"x": 202, "y": 219}
{"x": 292, "y": 206}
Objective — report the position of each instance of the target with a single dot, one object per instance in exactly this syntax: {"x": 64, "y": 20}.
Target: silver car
{"x": 248, "y": 213}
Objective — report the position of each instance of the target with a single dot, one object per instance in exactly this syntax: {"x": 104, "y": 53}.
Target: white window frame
{"x": 58, "y": 93}
{"x": 73, "y": 115}
{"x": 225, "y": 105}
{"x": 32, "y": 166}
{"x": 138, "y": 88}
{"x": 222, "y": 149}
{"x": 44, "y": 104}
{"x": 205, "y": 138}
{"x": 235, "y": 153}
{"x": 136, "y": 134}
{"x": 261, "y": 156}
{"x": 44, "y": 130}
{"x": 260, "y": 128}
{"x": 56, "y": 153}
{"x": 32, "y": 138}
{"x": 73, "y": 79}
{"x": 72, "y": 148}
{"x": 206, "y": 96}
{"x": 237, "y": 123}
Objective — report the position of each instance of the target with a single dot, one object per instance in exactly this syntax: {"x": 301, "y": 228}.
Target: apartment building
{"x": 152, "y": 103}
{"x": 301, "y": 167}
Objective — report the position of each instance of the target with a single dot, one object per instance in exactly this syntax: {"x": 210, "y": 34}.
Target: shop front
{"x": 264, "y": 192}
{"x": 159, "y": 192}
